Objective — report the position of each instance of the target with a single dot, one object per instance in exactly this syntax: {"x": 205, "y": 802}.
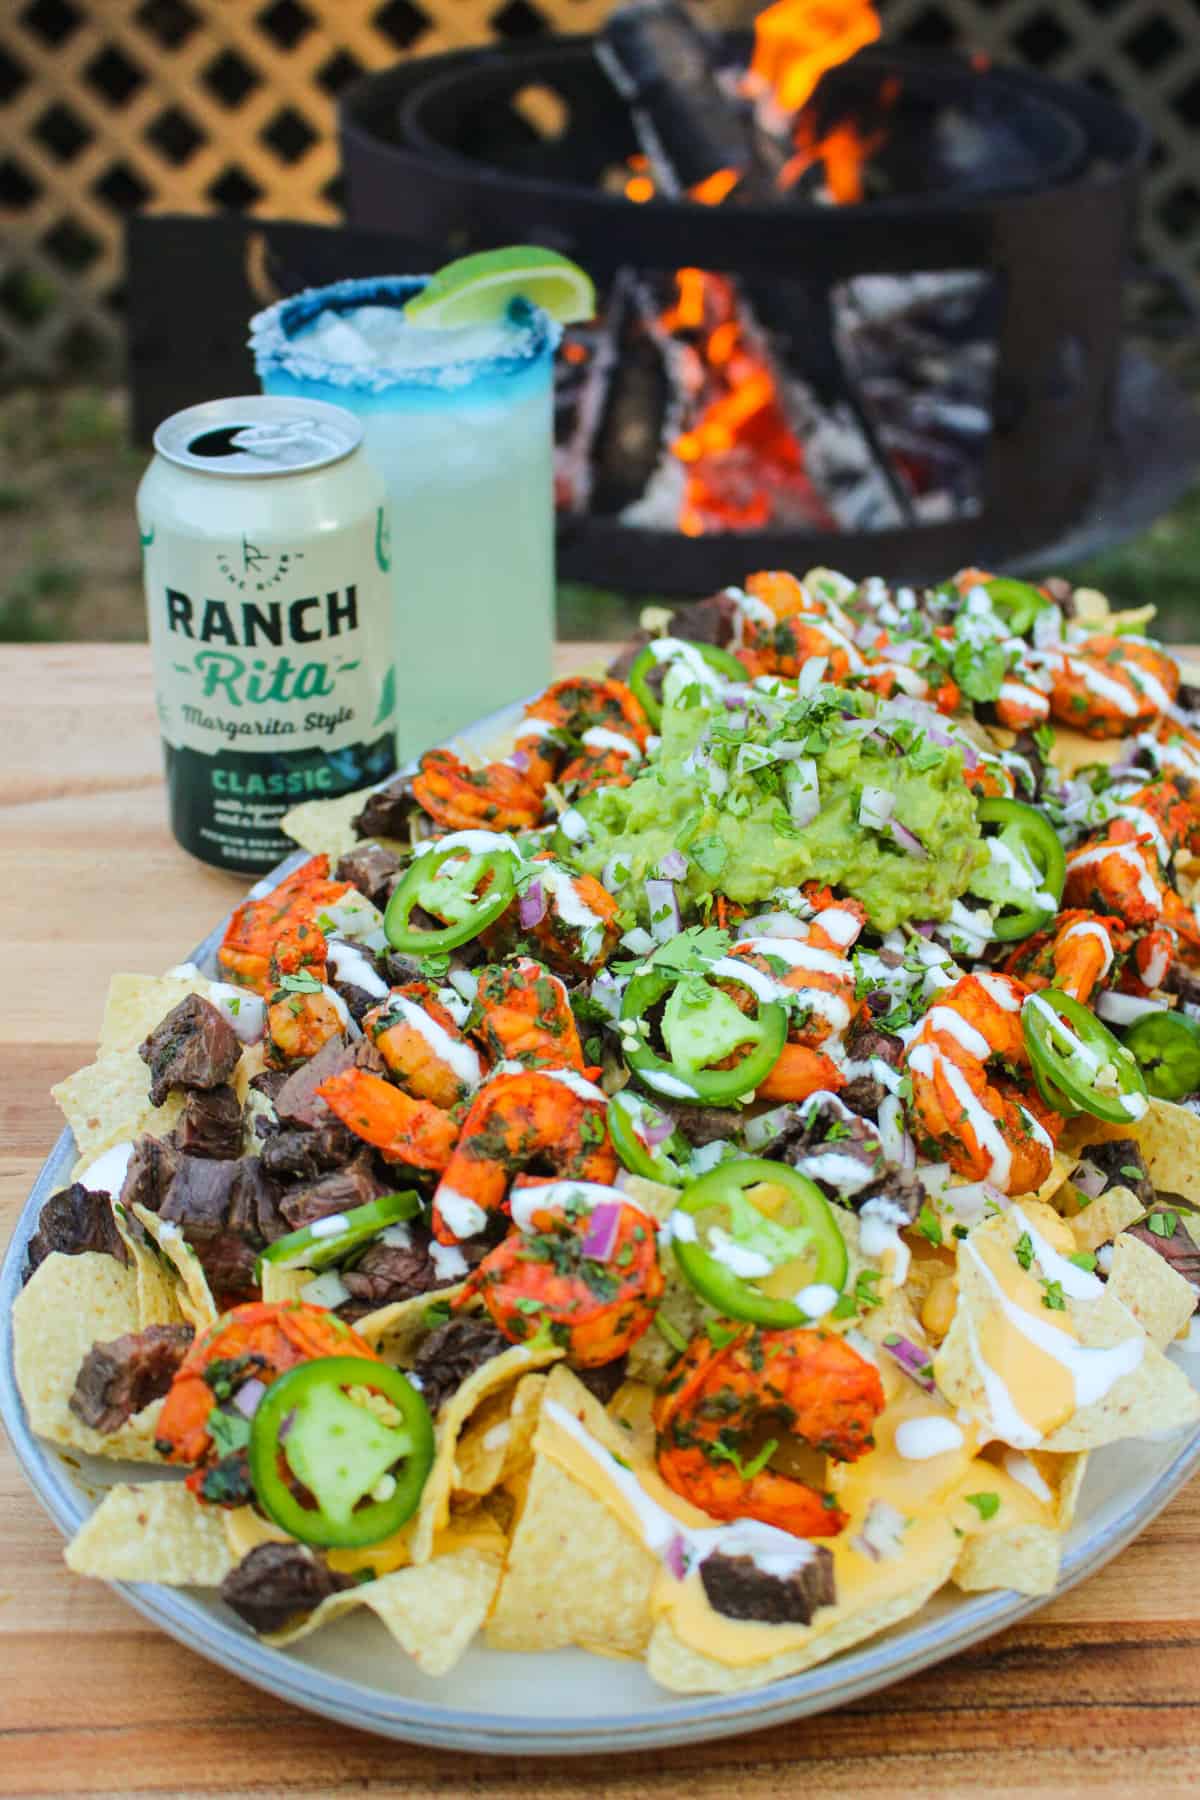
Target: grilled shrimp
{"x": 522, "y": 1014}
{"x": 971, "y": 1101}
{"x": 403, "y": 1130}
{"x": 1075, "y": 955}
{"x": 602, "y": 717}
{"x": 722, "y": 1407}
{"x": 784, "y": 648}
{"x": 575, "y": 921}
{"x": 425, "y": 1051}
{"x": 1110, "y": 686}
{"x": 593, "y": 1279}
{"x": 276, "y": 935}
{"x": 297, "y": 1026}
{"x": 532, "y": 1123}
{"x": 460, "y": 798}
{"x": 818, "y": 972}
{"x": 1117, "y": 873}
{"x": 1021, "y": 705}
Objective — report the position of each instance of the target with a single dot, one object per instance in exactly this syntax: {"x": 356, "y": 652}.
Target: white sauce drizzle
{"x": 460, "y": 1058}
{"x": 917, "y": 1440}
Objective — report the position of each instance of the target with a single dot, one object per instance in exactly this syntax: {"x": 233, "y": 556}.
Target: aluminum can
{"x": 265, "y": 553}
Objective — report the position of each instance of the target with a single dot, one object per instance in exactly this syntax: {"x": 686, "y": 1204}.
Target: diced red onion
{"x": 1123, "y": 1009}
{"x": 607, "y": 991}
{"x": 615, "y": 872}
{"x": 654, "y": 1128}
{"x": 882, "y": 1533}
{"x": 913, "y": 1360}
{"x": 1088, "y": 1179}
{"x": 638, "y": 941}
{"x": 674, "y": 865}
{"x": 736, "y": 694}
{"x": 926, "y": 927}
{"x": 875, "y": 807}
{"x": 898, "y": 1147}
{"x": 248, "y": 1396}
{"x": 764, "y": 1128}
{"x": 804, "y": 792}
{"x": 1047, "y": 628}
{"x": 289, "y": 1419}
{"x": 603, "y": 1224}
{"x": 907, "y": 840}
{"x": 665, "y": 922}
{"x": 789, "y": 749}
{"x": 531, "y": 908}
{"x": 675, "y": 1557}
{"x": 520, "y": 760}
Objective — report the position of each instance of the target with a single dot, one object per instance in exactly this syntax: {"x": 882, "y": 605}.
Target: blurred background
{"x": 114, "y": 108}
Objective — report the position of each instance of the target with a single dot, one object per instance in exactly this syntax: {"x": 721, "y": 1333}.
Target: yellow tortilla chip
{"x": 494, "y": 1376}
{"x": 1073, "y": 751}
{"x": 108, "y": 1101}
{"x": 193, "y": 1294}
{"x": 1098, "y": 1221}
{"x": 654, "y": 1197}
{"x": 1168, "y": 1137}
{"x": 1024, "y": 1557}
{"x": 156, "y": 1531}
{"x": 497, "y": 1440}
{"x": 157, "y": 1285}
{"x": 1070, "y": 1482}
{"x": 68, "y": 1304}
{"x": 137, "y": 1003}
{"x": 1159, "y": 1297}
{"x": 326, "y": 827}
{"x": 1091, "y": 607}
{"x": 397, "y": 1331}
{"x": 281, "y": 1286}
{"x": 432, "y": 1612}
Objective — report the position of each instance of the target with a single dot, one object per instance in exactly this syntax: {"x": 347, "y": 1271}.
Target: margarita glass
{"x": 459, "y": 423}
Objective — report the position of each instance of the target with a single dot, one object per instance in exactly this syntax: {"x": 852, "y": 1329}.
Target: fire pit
{"x": 865, "y": 314}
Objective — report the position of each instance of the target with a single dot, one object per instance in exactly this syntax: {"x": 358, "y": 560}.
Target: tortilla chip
{"x": 156, "y": 1531}
{"x": 193, "y": 1293}
{"x": 1073, "y": 1469}
{"x": 1168, "y": 1137}
{"x": 69, "y": 1304}
{"x": 432, "y": 1612}
{"x": 497, "y": 1441}
{"x": 281, "y": 1286}
{"x": 108, "y": 1101}
{"x": 397, "y": 1331}
{"x": 1098, "y": 1221}
{"x": 1073, "y": 751}
{"x": 135, "y": 1004}
{"x": 574, "y": 1574}
{"x": 678, "y": 1666}
{"x": 494, "y": 1375}
{"x": 1091, "y": 607}
{"x": 654, "y": 1197}
{"x": 326, "y": 827}
{"x": 1153, "y": 1397}
{"x": 1159, "y": 1297}
{"x": 157, "y": 1285}
{"x": 1024, "y": 1557}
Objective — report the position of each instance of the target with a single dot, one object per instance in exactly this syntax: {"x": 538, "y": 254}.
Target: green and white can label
{"x": 268, "y": 603}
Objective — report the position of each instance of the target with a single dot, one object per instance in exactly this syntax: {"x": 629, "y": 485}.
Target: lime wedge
{"x": 476, "y": 290}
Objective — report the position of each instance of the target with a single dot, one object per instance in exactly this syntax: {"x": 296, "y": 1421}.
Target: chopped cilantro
{"x": 986, "y": 1505}
{"x": 1044, "y": 738}
{"x": 1132, "y": 1172}
{"x": 1052, "y": 1296}
{"x": 1023, "y": 1250}
{"x": 301, "y": 983}
{"x": 710, "y": 854}
{"x": 720, "y": 1335}
{"x": 720, "y": 1452}
{"x": 1083, "y": 1259}
{"x": 928, "y": 1224}
{"x": 230, "y": 1432}
{"x": 1163, "y": 1224}
{"x": 671, "y": 1333}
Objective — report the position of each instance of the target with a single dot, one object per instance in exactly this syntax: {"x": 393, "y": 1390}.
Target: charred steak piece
{"x": 195, "y": 1046}
{"x": 150, "y": 1173}
{"x": 391, "y": 1272}
{"x": 1122, "y": 1165}
{"x": 210, "y": 1124}
{"x": 604, "y": 1381}
{"x": 703, "y": 1124}
{"x": 302, "y": 1154}
{"x": 387, "y": 811}
{"x": 228, "y": 1212}
{"x": 738, "y": 1588}
{"x": 277, "y": 1581}
{"x": 335, "y": 1193}
{"x": 296, "y": 1102}
{"x": 117, "y": 1379}
{"x": 371, "y": 869}
{"x": 72, "y": 1221}
{"x": 453, "y": 1352}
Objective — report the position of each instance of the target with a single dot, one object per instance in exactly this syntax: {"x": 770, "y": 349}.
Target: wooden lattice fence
{"x": 190, "y": 105}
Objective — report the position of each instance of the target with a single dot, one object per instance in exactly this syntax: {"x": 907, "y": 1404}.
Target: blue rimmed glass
{"x": 460, "y": 425}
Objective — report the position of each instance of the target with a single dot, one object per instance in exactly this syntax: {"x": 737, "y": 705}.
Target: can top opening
{"x": 257, "y": 435}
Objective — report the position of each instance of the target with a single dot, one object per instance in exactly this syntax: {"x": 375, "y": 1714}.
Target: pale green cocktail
{"x": 459, "y": 423}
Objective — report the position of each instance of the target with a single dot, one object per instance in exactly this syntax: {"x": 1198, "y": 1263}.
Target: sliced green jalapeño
{"x": 1026, "y": 870}
{"x": 1017, "y": 602}
{"x": 700, "y": 1027}
{"x": 330, "y": 1240}
{"x": 722, "y": 661}
{"x": 1078, "y": 1064}
{"x": 772, "y": 1224}
{"x": 644, "y": 1139}
{"x": 359, "y": 1468}
{"x": 1167, "y": 1048}
{"x": 467, "y": 889}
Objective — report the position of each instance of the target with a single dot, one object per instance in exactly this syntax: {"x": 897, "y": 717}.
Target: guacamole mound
{"x": 705, "y": 792}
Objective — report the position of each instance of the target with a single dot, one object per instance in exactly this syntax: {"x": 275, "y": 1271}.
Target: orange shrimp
{"x": 497, "y": 796}
{"x": 577, "y": 930}
{"x": 721, "y": 1407}
{"x": 403, "y": 1130}
{"x": 820, "y": 972}
{"x": 967, "y": 1103}
{"x": 522, "y": 1014}
{"x": 783, "y": 649}
{"x": 425, "y": 1051}
{"x": 1116, "y": 873}
{"x": 1020, "y": 706}
{"x": 279, "y": 928}
{"x": 533, "y": 1123}
{"x": 297, "y": 1026}
{"x": 1110, "y": 686}
{"x": 263, "y": 1340}
{"x": 1075, "y": 955}
{"x": 595, "y": 1307}
{"x": 778, "y": 590}
{"x": 573, "y": 708}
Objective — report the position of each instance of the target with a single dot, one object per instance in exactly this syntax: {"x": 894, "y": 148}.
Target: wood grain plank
{"x": 1099, "y": 1693}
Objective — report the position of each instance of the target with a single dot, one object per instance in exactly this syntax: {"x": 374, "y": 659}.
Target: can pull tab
{"x": 282, "y": 440}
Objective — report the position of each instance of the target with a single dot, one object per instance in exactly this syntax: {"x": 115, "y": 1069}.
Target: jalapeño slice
{"x": 722, "y": 661}
{"x": 752, "y": 1235}
{"x": 1167, "y": 1048}
{"x": 701, "y": 1027}
{"x": 477, "y": 886}
{"x": 1024, "y": 877}
{"x": 361, "y": 1473}
{"x": 331, "y": 1240}
{"x": 1078, "y": 1064}
{"x": 645, "y": 1139}
{"x": 1017, "y": 602}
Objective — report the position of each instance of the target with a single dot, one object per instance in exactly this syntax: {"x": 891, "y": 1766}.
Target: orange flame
{"x": 796, "y": 41}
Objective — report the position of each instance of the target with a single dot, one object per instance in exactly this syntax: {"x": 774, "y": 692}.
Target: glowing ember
{"x": 797, "y": 41}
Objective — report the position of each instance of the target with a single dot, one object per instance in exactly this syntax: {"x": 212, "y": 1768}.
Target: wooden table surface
{"x": 1100, "y": 1693}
